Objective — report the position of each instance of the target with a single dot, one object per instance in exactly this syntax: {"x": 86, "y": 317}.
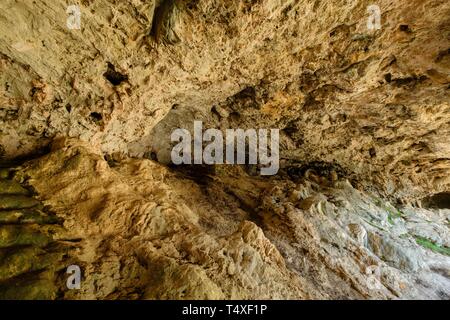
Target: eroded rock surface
{"x": 147, "y": 232}
{"x": 376, "y": 102}
{"x": 359, "y": 209}
{"x": 33, "y": 247}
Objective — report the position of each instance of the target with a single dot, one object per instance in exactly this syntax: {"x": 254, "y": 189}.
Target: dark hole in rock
{"x": 68, "y": 108}
{"x": 248, "y": 92}
{"x": 404, "y": 28}
{"x": 191, "y": 5}
{"x": 110, "y": 160}
{"x": 388, "y": 77}
{"x": 201, "y": 174}
{"x": 372, "y": 152}
{"x": 97, "y": 117}
{"x": 40, "y": 151}
{"x": 437, "y": 201}
{"x": 235, "y": 116}
{"x": 299, "y": 170}
{"x": 151, "y": 155}
{"x": 410, "y": 80}
{"x": 113, "y": 76}
{"x": 291, "y": 128}
{"x": 442, "y": 55}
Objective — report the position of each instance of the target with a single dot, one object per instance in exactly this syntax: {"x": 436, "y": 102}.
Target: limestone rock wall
{"x": 359, "y": 208}
{"x": 141, "y": 231}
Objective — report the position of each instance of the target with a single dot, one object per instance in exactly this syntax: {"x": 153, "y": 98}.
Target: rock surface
{"x": 375, "y": 102}
{"x": 145, "y": 231}
{"x": 361, "y": 205}
{"x": 33, "y": 253}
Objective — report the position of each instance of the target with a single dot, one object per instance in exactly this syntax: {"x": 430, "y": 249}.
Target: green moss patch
{"x": 11, "y": 235}
{"x": 8, "y": 202}
{"x": 4, "y": 173}
{"x": 27, "y": 216}
{"x": 427, "y": 243}
{"x": 12, "y": 187}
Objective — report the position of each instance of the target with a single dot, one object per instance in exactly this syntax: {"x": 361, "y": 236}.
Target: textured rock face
{"x": 364, "y": 118}
{"x": 375, "y": 102}
{"x": 138, "y": 230}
